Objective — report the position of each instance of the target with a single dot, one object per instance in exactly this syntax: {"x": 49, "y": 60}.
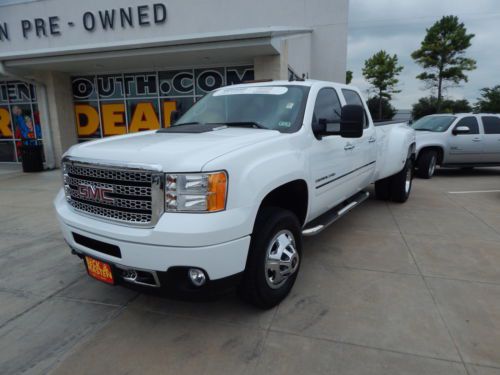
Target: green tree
{"x": 348, "y": 77}
{"x": 489, "y": 101}
{"x": 388, "y": 111}
{"x": 428, "y": 106}
{"x": 441, "y": 54}
{"x": 381, "y": 71}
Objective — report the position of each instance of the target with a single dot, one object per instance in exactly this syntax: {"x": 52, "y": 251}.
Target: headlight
{"x": 195, "y": 192}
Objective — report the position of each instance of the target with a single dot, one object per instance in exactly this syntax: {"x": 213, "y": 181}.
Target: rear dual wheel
{"x": 397, "y": 187}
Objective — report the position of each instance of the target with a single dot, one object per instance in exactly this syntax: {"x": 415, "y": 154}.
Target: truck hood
{"x": 426, "y": 136}
{"x": 174, "y": 152}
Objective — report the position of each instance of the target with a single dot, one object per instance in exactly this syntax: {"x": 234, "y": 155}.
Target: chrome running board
{"x": 320, "y": 223}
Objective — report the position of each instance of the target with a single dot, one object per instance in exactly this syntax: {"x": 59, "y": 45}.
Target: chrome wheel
{"x": 282, "y": 259}
{"x": 409, "y": 176}
{"x": 432, "y": 166}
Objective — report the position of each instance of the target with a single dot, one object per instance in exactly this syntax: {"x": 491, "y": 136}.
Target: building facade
{"x": 73, "y": 71}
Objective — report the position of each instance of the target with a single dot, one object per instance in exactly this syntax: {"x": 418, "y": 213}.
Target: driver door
{"x": 466, "y": 148}
{"x": 331, "y": 159}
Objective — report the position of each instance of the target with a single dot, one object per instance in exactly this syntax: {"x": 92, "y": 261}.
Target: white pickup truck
{"x": 463, "y": 140}
{"x": 223, "y": 197}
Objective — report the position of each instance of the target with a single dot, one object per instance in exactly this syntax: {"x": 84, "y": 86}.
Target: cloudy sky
{"x": 398, "y": 26}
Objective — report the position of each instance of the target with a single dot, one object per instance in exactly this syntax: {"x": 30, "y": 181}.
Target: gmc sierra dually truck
{"x": 224, "y": 196}
{"x": 463, "y": 140}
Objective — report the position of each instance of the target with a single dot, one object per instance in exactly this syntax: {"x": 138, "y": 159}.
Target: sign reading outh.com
{"x": 114, "y": 104}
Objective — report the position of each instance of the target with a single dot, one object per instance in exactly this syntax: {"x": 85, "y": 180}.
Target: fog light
{"x": 197, "y": 276}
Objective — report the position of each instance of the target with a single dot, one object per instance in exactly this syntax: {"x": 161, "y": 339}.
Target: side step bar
{"x": 320, "y": 223}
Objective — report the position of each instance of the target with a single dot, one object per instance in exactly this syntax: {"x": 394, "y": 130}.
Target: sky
{"x": 398, "y": 27}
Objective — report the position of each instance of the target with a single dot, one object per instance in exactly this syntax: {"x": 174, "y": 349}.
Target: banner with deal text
{"x": 114, "y": 104}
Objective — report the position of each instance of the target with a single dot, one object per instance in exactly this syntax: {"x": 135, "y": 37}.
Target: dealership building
{"x": 73, "y": 71}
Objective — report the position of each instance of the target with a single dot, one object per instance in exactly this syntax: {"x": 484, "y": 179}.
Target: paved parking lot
{"x": 389, "y": 289}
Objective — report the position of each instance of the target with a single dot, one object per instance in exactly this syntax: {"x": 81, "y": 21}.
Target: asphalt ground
{"x": 388, "y": 289}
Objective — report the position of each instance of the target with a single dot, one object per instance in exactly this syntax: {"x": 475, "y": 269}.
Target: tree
{"x": 348, "y": 77}
{"x": 428, "y": 106}
{"x": 489, "y": 101}
{"x": 381, "y": 71}
{"x": 388, "y": 111}
{"x": 441, "y": 54}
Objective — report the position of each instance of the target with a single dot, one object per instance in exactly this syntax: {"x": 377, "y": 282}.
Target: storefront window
{"x": 19, "y": 119}
{"x": 114, "y": 104}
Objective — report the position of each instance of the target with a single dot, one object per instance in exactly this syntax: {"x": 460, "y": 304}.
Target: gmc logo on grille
{"x": 95, "y": 193}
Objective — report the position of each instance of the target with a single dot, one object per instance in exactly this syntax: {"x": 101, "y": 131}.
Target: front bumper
{"x": 174, "y": 282}
{"x": 140, "y": 248}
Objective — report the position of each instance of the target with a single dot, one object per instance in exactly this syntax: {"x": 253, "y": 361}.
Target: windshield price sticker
{"x": 275, "y": 90}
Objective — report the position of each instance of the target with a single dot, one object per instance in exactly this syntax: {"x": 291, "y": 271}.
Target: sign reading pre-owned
{"x": 115, "y": 104}
{"x": 105, "y": 19}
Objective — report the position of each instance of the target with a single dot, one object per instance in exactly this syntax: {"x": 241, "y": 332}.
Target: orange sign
{"x": 114, "y": 121}
{"x": 99, "y": 270}
{"x": 5, "y": 130}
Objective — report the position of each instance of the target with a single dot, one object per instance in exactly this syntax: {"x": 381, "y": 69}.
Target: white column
{"x": 55, "y": 100}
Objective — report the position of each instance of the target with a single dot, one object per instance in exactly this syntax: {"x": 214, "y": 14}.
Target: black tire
{"x": 382, "y": 191}
{"x": 426, "y": 164}
{"x": 255, "y": 286}
{"x": 401, "y": 183}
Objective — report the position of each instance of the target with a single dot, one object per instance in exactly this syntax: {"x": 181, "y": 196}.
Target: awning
{"x": 157, "y": 53}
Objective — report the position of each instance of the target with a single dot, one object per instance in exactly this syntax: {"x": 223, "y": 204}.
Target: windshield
{"x": 436, "y": 124}
{"x": 269, "y": 107}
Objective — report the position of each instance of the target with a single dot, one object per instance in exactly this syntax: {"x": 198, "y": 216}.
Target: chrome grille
{"x": 130, "y": 196}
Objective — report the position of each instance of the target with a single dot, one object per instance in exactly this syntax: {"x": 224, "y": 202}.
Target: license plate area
{"x": 99, "y": 270}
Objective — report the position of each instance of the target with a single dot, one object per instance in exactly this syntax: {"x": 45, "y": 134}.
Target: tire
{"x": 426, "y": 164}
{"x": 401, "y": 183}
{"x": 382, "y": 191}
{"x": 261, "y": 285}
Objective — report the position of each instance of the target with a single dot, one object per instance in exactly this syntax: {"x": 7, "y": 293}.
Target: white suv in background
{"x": 459, "y": 140}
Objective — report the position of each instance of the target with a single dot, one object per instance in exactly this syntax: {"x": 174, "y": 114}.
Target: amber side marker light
{"x": 217, "y": 191}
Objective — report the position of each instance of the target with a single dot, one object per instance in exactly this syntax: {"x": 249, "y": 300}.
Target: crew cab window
{"x": 491, "y": 124}
{"x": 471, "y": 122}
{"x": 352, "y": 97}
{"x": 328, "y": 107}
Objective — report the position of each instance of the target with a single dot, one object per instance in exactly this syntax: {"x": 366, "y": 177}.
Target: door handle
{"x": 348, "y": 146}
{"x": 476, "y": 140}
{"x": 372, "y": 139}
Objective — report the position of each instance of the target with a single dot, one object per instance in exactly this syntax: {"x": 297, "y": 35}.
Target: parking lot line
{"x": 474, "y": 192}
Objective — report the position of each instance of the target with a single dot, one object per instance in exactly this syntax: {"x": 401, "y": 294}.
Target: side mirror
{"x": 352, "y": 121}
{"x": 461, "y": 130}
{"x": 174, "y": 116}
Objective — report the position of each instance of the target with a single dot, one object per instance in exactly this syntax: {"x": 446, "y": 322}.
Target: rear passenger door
{"x": 491, "y": 139}
{"x": 466, "y": 148}
{"x": 366, "y": 146}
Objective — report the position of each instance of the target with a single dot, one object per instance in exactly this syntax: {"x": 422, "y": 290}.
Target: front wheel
{"x": 426, "y": 165}
{"x": 274, "y": 258}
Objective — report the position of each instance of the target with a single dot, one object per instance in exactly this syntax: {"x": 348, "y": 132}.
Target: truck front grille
{"x": 132, "y": 196}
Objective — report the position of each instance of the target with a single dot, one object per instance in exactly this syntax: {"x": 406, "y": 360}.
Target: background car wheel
{"x": 274, "y": 258}
{"x": 382, "y": 191}
{"x": 401, "y": 183}
{"x": 426, "y": 164}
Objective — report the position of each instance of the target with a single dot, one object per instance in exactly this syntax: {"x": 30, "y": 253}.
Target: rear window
{"x": 352, "y": 97}
{"x": 491, "y": 124}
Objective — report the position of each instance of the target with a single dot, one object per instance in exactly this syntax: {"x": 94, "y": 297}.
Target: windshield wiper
{"x": 424, "y": 130}
{"x": 188, "y": 123}
{"x": 248, "y": 124}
